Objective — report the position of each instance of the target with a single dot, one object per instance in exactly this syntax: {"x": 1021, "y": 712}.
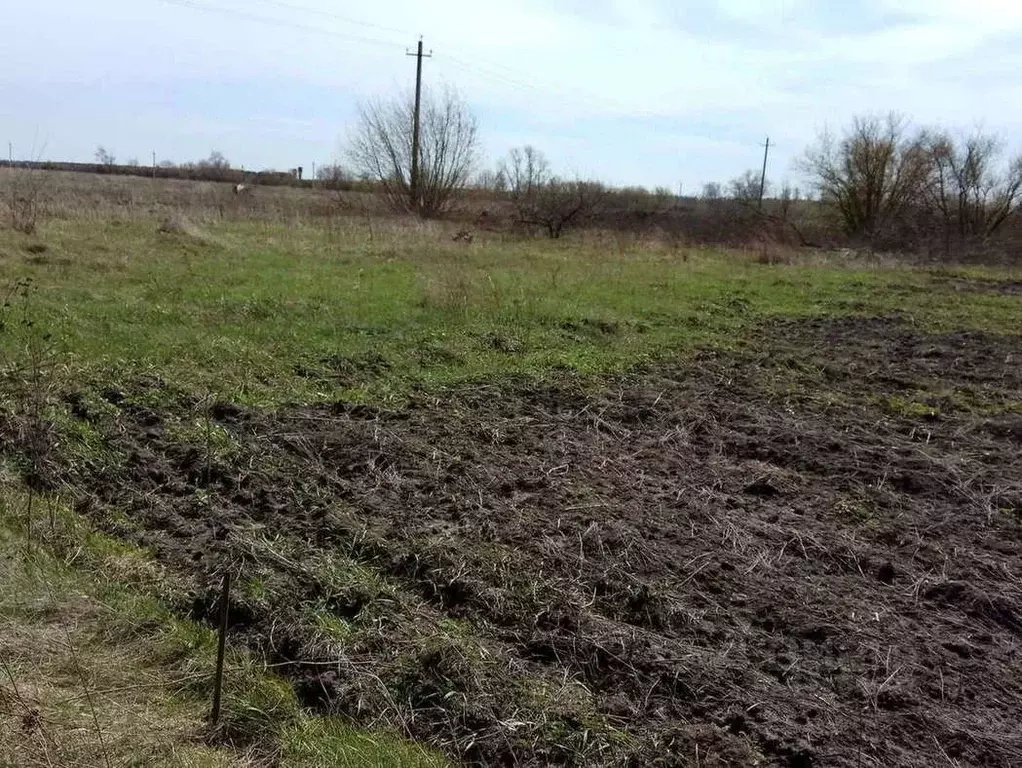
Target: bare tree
{"x": 490, "y": 180}
{"x": 104, "y": 156}
{"x": 872, "y": 176}
{"x": 216, "y": 162}
{"x": 787, "y": 200}
{"x": 968, "y": 190}
{"x": 525, "y": 171}
{"x": 547, "y": 201}
{"x": 380, "y": 148}
{"x": 711, "y": 193}
{"x": 333, "y": 175}
{"x": 745, "y": 188}
{"x": 564, "y": 202}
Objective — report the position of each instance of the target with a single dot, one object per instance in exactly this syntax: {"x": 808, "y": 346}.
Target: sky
{"x": 649, "y": 92}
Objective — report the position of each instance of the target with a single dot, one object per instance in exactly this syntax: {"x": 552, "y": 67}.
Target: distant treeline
{"x": 188, "y": 171}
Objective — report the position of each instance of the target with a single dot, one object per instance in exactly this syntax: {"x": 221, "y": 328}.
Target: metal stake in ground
{"x": 225, "y": 597}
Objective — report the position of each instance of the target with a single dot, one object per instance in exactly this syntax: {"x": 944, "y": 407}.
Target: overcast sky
{"x": 649, "y": 92}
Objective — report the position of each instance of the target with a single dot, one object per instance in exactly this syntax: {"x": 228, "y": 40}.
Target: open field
{"x": 597, "y": 501}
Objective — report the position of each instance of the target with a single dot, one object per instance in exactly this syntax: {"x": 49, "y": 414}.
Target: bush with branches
{"x": 890, "y": 186}
{"x": 105, "y": 157}
{"x": 872, "y": 178}
{"x": 380, "y": 149}
{"x": 546, "y": 201}
{"x": 968, "y": 192}
{"x": 334, "y": 176}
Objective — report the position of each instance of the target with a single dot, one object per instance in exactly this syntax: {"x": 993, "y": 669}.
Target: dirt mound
{"x": 762, "y": 556}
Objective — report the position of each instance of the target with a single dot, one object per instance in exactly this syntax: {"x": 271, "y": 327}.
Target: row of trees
{"x": 380, "y": 150}
{"x": 885, "y": 183}
{"x": 879, "y": 181}
{"x": 214, "y": 166}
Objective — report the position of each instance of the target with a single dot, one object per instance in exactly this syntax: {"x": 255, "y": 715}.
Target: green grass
{"x": 95, "y": 670}
{"x": 266, "y": 312}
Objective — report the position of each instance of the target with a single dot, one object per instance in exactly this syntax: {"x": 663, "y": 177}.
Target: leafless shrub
{"x": 546, "y": 201}
{"x": 333, "y": 176}
{"x": 24, "y": 197}
{"x": 380, "y": 149}
{"x": 746, "y": 189}
{"x": 104, "y": 156}
{"x": 712, "y": 191}
{"x": 967, "y": 192}
{"x": 215, "y": 167}
{"x": 490, "y": 181}
{"x": 788, "y": 200}
{"x": 872, "y": 177}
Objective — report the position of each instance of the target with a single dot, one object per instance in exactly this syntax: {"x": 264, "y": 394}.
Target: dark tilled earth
{"x": 805, "y": 552}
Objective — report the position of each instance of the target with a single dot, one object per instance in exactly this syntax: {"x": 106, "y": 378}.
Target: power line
{"x": 498, "y": 72}
{"x": 204, "y": 8}
{"x": 478, "y": 66}
{"x": 577, "y": 98}
{"x": 330, "y": 15}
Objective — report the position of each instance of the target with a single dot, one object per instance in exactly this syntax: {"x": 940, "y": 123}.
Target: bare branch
{"x": 542, "y": 200}
{"x": 380, "y": 148}
{"x": 872, "y": 176}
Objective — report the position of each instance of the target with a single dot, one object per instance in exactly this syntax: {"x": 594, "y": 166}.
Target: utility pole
{"x": 762, "y": 178}
{"x": 10, "y": 153}
{"x": 414, "y": 181}
{"x": 154, "y": 165}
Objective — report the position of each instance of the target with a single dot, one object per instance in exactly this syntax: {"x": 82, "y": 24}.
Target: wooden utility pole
{"x": 414, "y": 181}
{"x": 762, "y": 178}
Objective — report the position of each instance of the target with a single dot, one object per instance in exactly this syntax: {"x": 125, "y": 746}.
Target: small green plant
{"x": 909, "y": 408}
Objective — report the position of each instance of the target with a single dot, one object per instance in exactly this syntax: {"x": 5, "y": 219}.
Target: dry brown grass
{"x": 79, "y": 195}
{"x": 73, "y": 694}
{"x": 95, "y": 672}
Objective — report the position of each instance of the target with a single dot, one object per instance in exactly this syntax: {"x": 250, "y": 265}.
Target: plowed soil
{"x": 804, "y": 552}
